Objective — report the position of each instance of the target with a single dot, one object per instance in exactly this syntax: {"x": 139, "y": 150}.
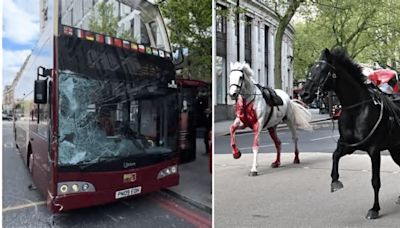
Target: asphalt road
{"x": 321, "y": 139}
{"x": 26, "y": 208}
{"x": 298, "y": 195}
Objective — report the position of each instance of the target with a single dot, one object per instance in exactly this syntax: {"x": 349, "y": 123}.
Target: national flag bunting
{"x": 68, "y": 31}
{"x": 117, "y": 42}
{"x": 155, "y": 52}
{"x": 89, "y": 36}
{"x": 79, "y": 33}
{"x": 141, "y": 48}
{"x": 134, "y": 46}
{"x": 161, "y": 53}
{"x": 100, "y": 38}
{"x": 109, "y": 40}
{"x": 125, "y": 44}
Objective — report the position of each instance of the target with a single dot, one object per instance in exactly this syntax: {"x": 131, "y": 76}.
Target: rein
{"x": 334, "y": 77}
{"x": 370, "y": 133}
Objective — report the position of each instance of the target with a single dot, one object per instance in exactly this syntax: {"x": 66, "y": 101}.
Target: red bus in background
{"x": 194, "y": 95}
{"x": 96, "y": 116}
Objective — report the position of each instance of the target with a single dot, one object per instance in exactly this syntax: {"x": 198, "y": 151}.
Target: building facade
{"x": 257, "y": 29}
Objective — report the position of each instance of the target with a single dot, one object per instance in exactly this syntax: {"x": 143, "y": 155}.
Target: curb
{"x": 280, "y": 126}
{"x": 193, "y": 203}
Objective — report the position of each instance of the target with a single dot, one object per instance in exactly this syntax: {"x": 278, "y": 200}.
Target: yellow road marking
{"x": 18, "y": 207}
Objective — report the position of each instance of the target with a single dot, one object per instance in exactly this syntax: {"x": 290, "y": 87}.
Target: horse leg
{"x": 256, "y": 145}
{"x": 373, "y": 213}
{"x": 339, "y": 152}
{"x": 236, "y": 125}
{"x": 277, "y": 142}
{"x": 295, "y": 139}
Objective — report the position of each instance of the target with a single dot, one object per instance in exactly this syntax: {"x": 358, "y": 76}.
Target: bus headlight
{"x": 69, "y": 187}
{"x": 64, "y": 188}
{"x": 167, "y": 171}
{"x": 75, "y": 188}
{"x": 85, "y": 187}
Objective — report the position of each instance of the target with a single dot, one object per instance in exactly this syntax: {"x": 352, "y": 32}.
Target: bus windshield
{"x": 102, "y": 119}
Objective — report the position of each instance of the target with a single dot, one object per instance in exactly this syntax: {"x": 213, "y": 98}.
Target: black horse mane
{"x": 341, "y": 57}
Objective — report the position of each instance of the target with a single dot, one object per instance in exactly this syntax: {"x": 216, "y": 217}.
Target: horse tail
{"x": 301, "y": 115}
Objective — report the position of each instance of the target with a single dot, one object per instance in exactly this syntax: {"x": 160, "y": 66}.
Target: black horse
{"x": 369, "y": 121}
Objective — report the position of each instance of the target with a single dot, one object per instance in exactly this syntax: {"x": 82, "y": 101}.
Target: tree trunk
{"x": 283, "y": 23}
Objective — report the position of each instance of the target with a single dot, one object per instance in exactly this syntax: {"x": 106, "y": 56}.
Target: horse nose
{"x": 234, "y": 95}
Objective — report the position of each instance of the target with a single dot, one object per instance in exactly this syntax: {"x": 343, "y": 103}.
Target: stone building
{"x": 257, "y": 28}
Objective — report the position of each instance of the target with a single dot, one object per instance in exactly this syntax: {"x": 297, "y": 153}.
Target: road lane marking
{"x": 262, "y": 146}
{"x": 23, "y": 206}
{"x": 322, "y": 138}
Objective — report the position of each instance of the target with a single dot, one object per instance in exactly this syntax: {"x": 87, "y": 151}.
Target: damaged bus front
{"x": 113, "y": 103}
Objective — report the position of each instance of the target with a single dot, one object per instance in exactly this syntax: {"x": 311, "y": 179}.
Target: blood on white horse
{"x": 252, "y": 111}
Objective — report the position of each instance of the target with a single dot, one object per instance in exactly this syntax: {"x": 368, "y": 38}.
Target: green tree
{"x": 288, "y": 7}
{"x": 190, "y": 26}
{"x": 369, "y": 32}
{"x": 105, "y": 22}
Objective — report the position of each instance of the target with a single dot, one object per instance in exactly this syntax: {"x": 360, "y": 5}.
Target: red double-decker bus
{"x": 96, "y": 115}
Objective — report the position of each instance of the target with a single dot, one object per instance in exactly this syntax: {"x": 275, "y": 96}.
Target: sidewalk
{"x": 195, "y": 181}
{"x": 222, "y": 127}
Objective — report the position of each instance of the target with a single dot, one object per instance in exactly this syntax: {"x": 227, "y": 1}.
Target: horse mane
{"x": 245, "y": 67}
{"x": 340, "y": 56}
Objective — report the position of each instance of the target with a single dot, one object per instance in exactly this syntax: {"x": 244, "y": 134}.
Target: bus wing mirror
{"x": 40, "y": 92}
{"x": 178, "y": 58}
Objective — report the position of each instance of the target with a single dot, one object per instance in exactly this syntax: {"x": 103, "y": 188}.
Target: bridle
{"x": 241, "y": 80}
{"x": 332, "y": 74}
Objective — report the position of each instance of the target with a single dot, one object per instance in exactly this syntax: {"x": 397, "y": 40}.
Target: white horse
{"x": 252, "y": 111}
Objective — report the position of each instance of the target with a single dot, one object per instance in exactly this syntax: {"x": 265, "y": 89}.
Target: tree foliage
{"x": 285, "y": 10}
{"x": 105, "y": 22}
{"x": 369, "y": 32}
{"x": 190, "y": 26}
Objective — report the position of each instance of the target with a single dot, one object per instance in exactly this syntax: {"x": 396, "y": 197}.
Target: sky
{"x": 20, "y": 30}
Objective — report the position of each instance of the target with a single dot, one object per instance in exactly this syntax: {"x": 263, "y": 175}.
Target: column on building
{"x": 271, "y": 56}
{"x": 241, "y": 37}
{"x": 231, "y": 50}
{"x": 261, "y": 51}
{"x": 254, "y": 49}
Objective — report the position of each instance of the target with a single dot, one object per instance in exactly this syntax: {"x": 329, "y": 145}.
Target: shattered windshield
{"x": 103, "y": 119}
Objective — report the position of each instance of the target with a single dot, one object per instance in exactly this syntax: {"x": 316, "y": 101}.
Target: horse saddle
{"x": 270, "y": 96}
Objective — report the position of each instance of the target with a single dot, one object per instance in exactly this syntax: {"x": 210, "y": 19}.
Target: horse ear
{"x": 327, "y": 53}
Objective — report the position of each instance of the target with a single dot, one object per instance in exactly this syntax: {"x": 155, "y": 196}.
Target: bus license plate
{"x": 128, "y": 192}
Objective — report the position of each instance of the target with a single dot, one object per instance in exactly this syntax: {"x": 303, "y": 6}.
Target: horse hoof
{"x": 253, "y": 173}
{"x": 336, "y": 186}
{"x": 372, "y": 214}
{"x": 275, "y": 164}
{"x": 296, "y": 161}
{"x": 237, "y": 155}
{"x": 398, "y": 200}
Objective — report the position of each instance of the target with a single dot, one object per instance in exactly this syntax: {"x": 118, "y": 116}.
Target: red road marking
{"x": 184, "y": 213}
